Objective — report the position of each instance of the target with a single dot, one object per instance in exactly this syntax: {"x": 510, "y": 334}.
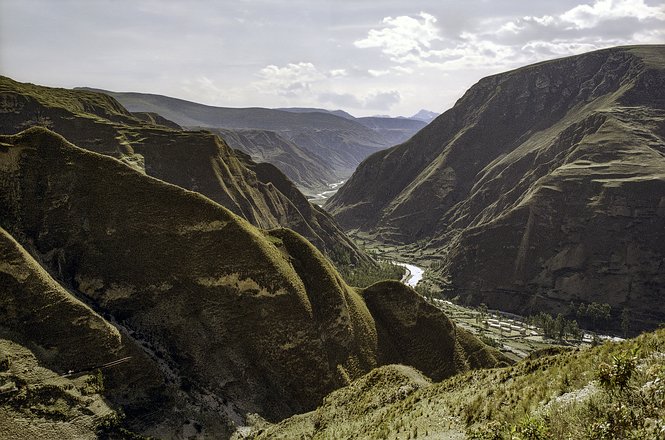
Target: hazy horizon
{"x": 365, "y": 58}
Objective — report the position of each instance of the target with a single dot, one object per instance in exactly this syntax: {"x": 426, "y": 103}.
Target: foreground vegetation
{"x": 612, "y": 391}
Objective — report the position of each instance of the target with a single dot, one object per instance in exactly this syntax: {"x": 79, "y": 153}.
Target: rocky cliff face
{"x": 198, "y": 161}
{"x": 224, "y": 319}
{"x": 540, "y": 187}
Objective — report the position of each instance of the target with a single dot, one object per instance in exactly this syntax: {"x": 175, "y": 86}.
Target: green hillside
{"x": 613, "y": 391}
{"x": 220, "y": 319}
{"x": 540, "y": 188}
{"x": 198, "y": 161}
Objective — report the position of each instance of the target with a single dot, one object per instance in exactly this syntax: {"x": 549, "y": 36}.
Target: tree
{"x": 598, "y": 312}
{"x": 573, "y": 330}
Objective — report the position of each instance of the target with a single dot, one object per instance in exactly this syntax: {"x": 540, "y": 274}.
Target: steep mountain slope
{"x": 302, "y": 167}
{"x": 198, "y": 161}
{"x": 541, "y": 186}
{"x": 237, "y": 320}
{"x": 341, "y": 142}
{"x": 547, "y": 397}
{"x": 57, "y": 334}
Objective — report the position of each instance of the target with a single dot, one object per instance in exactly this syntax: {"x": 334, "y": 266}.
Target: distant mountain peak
{"x": 425, "y": 115}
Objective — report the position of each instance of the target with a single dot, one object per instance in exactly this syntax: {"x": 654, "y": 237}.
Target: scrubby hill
{"x": 216, "y": 314}
{"x": 609, "y": 392}
{"x": 198, "y": 161}
{"x": 541, "y": 186}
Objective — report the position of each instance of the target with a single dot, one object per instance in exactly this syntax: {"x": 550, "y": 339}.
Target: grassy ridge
{"x": 616, "y": 390}
{"x": 198, "y": 161}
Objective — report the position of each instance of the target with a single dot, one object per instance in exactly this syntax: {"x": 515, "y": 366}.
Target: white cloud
{"x": 203, "y": 86}
{"x": 414, "y": 43}
{"x": 336, "y": 73}
{"x": 402, "y": 69}
{"x": 377, "y": 73}
{"x": 382, "y": 100}
{"x": 559, "y": 47}
{"x": 588, "y": 16}
{"x": 291, "y": 80}
{"x": 404, "y": 38}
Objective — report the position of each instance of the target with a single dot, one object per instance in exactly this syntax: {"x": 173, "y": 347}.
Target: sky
{"x": 367, "y": 57}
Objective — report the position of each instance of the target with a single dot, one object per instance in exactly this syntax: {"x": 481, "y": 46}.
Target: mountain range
{"x": 542, "y": 188}
{"x": 334, "y": 140}
{"x": 195, "y": 160}
{"x": 157, "y": 283}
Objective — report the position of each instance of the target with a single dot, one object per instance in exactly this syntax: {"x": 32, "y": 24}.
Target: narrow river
{"x": 321, "y": 197}
{"x": 413, "y": 274}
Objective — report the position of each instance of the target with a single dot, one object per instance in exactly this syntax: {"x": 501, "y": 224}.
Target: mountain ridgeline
{"x": 195, "y": 160}
{"x": 543, "y": 186}
{"x": 334, "y": 140}
{"x": 220, "y": 319}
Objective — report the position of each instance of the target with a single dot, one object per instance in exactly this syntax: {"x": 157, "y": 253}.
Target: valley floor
{"x": 508, "y": 332}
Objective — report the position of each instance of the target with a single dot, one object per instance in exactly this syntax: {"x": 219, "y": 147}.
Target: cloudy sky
{"x": 367, "y": 57}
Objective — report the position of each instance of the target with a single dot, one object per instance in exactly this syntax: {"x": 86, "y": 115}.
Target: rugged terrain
{"x": 335, "y": 139}
{"x": 198, "y": 161}
{"x": 302, "y": 167}
{"x": 340, "y": 142}
{"x": 541, "y": 187}
{"x": 613, "y": 391}
{"x": 220, "y": 319}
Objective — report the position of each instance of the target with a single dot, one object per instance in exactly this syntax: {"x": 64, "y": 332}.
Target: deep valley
{"x": 175, "y": 270}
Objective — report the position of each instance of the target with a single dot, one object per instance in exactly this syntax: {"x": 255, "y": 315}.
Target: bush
{"x": 615, "y": 377}
{"x": 531, "y": 429}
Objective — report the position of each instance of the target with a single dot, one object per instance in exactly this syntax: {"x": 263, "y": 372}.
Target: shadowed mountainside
{"x": 198, "y": 161}
{"x": 233, "y": 319}
{"x": 302, "y": 167}
{"x": 541, "y": 186}
{"x": 394, "y": 130}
